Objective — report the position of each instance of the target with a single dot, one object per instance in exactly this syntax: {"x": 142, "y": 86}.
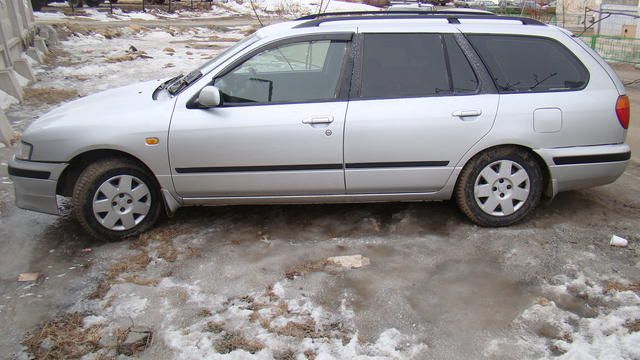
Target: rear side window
{"x": 403, "y": 65}
{"x": 414, "y": 65}
{"x": 529, "y": 64}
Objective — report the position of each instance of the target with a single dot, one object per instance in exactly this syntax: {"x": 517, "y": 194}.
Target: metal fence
{"x": 615, "y": 48}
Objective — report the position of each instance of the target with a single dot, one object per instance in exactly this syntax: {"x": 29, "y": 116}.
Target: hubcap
{"x": 121, "y": 202}
{"x": 502, "y": 188}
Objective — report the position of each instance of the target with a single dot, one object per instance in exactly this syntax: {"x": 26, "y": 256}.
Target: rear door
{"x": 419, "y": 104}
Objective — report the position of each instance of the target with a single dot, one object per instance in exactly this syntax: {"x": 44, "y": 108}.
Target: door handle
{"x": 466, "y": 113}
{"x": 318, "y": 120}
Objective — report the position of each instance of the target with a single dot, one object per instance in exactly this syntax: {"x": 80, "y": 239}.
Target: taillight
{"x": 623, "y": 110}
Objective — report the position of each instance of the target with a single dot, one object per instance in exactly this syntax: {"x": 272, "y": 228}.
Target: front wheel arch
{"x": 115, "y": 198}
{"x": 69, "y": 176}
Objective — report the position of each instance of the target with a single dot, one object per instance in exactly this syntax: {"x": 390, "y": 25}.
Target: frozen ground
{"x": 253, "y": 282}
{"x": 265, "y": 8}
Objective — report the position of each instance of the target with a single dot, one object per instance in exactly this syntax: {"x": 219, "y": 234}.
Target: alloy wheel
{"x": 502, "y": 188}
{"x": 121, "y": 202}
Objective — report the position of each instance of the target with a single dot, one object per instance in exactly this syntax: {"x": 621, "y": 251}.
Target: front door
{"x": 419, "y": 107}
{"x": 278, "y": 132}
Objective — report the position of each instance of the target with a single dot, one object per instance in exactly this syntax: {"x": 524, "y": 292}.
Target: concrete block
{"x": 6, "y": 131}
{"x": 9, "y": 84}
{"x": 41, "y": 45}
{"x": 48, "y": 33}
{"x": 22, "y": 67}
{"x": 35, "y": 54}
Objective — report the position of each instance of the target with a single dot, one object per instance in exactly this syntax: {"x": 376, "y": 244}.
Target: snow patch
{"x": 578, "y": 319}
{"x": 131, "y": 306}
{"x": 6, "y": 100}
{"x": 226, "y": 8}
{"x": 93, "y": 320}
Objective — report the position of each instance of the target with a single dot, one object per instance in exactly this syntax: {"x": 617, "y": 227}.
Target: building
{"x": 617, "y": 24}
{"x": 19, "y": 46}
{"x": 575, "y": 14}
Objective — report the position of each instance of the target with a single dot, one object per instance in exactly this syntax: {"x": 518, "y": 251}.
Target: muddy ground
{"x": 253, "y": 281}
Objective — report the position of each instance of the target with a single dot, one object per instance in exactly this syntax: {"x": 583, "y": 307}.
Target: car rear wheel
{"x": 499, "y": 187}
{"x": 116, "y": 198}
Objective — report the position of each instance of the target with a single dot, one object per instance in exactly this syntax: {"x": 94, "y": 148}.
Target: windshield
{"x": 180, "y": 82}
{"x": 230, "y": 51}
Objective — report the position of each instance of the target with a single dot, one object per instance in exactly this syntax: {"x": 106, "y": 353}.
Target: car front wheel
{"x": 499, "y": 187}
{"x": 116, "y": 198}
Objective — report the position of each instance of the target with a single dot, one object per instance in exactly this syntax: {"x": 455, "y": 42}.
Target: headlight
{"x": 24, "y": 151}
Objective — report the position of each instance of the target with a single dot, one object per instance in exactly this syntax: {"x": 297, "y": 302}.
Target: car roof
{"x": 418, "y": 21}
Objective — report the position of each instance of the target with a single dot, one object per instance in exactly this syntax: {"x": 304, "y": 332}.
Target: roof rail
{"x": 453, "y": 17}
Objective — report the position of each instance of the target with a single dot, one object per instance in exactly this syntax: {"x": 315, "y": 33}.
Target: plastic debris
{"x": 350, "y": 261}
{"x": 26, "y": 277}
{"x": 618, "y": 241}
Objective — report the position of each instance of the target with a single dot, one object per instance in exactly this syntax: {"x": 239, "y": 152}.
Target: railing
{"x": 615, "y": 48}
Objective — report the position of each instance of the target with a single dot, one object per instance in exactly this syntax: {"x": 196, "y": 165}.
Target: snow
{"x": 554, "y": 328}
{"x": 131, "y": 306}
{"x": 297, "y": 7}
{"x": 6, "y": 100}
{"x": 194, "y": 343}
{"x": 100, "y": 63}
{"x": 93, "y": 320}
{"x": 49, "y": 15}
{"x": 267, "y": 8}
{"x": 59, "y": 4}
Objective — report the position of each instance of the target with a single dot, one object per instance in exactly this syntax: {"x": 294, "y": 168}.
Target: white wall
{"x": 614, "y": 24}
{"x": 16, "y": 25}
{"x": 16, "y": 35}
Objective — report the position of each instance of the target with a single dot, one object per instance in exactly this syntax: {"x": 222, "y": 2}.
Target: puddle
{"x": 446, "y": 298}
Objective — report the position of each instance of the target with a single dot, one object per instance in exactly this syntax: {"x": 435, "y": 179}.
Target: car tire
{"x": 499, "y": 187}
{"x": 115, "y": 199}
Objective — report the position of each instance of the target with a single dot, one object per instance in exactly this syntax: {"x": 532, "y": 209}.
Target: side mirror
{"x": 209, "y": 97}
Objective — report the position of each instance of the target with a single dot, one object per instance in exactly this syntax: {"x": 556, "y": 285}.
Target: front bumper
{"x": 583, "y": 167}
{"x": 35, "y": 184}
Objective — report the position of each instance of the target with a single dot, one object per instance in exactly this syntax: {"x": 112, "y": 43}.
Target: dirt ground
{"x": 254, "y": 281}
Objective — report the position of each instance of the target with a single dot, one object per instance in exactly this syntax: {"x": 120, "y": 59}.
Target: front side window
{"x": 304, "y": 71}
{"x": 529, "y": 64}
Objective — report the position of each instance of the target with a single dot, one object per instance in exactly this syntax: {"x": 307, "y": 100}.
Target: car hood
{"x": 97, "y": 107}
{"x": 102, "y": 120}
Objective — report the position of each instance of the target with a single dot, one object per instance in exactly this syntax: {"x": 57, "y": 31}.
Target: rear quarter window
{"x": 529, "y": 64}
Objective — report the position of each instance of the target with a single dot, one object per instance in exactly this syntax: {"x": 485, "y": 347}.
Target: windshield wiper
{"x": 538, "y": 82}
{"x": 183, "y": 81}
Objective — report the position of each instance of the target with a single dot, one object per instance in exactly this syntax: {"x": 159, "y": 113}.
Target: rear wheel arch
{"x": 494, "y": 197}
{"x": 544, "y": 167}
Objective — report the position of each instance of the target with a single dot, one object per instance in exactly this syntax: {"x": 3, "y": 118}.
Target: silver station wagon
{"x": 494, "y": 112}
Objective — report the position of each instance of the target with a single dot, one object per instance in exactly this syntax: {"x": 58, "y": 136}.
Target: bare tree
{"x": 253, "y": 6}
